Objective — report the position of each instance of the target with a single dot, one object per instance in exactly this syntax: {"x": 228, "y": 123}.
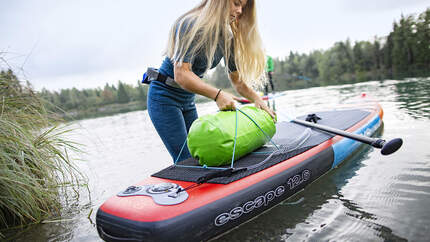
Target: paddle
{"x": 387, "y": 148}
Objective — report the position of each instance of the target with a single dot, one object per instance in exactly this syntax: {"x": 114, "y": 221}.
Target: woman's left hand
{"x": 259, "y": 103}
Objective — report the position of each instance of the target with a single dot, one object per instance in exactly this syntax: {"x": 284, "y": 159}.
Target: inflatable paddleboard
{"x": 190, "y": 203}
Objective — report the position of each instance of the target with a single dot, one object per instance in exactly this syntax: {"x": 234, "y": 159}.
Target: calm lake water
{"x": 369, "y": 198}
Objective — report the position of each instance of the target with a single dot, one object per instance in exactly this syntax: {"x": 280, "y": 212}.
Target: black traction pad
{"x": 289, "y": 136}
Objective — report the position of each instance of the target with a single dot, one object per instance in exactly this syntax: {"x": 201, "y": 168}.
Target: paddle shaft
{"x": 377, "y": 143}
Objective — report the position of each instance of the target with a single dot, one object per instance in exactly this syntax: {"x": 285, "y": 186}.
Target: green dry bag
{"x": 211, "y": 137}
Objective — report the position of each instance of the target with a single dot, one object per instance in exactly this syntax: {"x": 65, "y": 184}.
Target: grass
{"x": 34, "y": 162}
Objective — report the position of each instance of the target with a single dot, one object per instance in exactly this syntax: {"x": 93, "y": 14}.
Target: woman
{"x": 198, "y": 40}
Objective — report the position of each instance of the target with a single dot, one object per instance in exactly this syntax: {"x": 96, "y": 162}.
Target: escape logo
{"x": 263, "y": 200}
{"x": 249, "y": 206}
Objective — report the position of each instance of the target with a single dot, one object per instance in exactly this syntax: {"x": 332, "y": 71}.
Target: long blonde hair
{"x": 207, "y": 25}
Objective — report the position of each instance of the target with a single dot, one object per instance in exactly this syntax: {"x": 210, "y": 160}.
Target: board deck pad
{"x": 286, "y": 137}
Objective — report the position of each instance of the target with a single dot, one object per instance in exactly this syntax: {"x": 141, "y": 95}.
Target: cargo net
{"x": 290, "y": 140}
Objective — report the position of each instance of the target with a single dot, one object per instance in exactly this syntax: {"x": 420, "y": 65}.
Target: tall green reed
{"x": 34, "y": 162}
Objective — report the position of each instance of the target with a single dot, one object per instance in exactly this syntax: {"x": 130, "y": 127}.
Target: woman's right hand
{"x": 226, "y": 101}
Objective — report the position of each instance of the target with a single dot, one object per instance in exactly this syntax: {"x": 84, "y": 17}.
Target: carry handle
{"x": 106, "y": 236}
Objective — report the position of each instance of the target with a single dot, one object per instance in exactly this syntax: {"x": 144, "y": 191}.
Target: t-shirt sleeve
{"x": 183, "y": 29}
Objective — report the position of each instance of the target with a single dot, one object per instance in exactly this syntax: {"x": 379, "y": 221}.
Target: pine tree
{"x": 122, "y": 93}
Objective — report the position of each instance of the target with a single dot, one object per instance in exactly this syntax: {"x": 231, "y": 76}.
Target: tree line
{"x": 405, "y": 52}
{"x": 72, "y": 103}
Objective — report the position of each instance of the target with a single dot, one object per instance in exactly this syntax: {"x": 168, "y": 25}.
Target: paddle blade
{"x": 391, "y": 146}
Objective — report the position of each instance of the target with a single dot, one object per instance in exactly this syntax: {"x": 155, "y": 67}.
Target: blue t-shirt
{"x": 199, "y": 62}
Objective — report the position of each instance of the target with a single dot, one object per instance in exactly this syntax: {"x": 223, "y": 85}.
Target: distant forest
{"x": 405, "y": 52}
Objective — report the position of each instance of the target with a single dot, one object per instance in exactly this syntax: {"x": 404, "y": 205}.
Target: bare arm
{"x": 191, "y": 82}
{"x": 243, "y": 89}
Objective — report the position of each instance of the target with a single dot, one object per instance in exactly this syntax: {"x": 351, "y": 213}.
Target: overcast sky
{"x": 86, "y": 43}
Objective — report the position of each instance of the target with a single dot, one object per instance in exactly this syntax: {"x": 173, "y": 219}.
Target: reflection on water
{"x": 414, "y": 97}
{"x": 368, "y": 198}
